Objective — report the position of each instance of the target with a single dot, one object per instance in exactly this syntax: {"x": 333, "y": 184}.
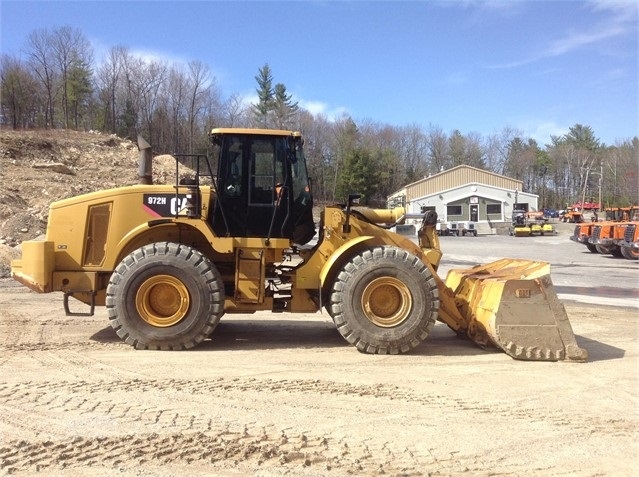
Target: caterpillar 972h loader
{"x": 168, "y": 261}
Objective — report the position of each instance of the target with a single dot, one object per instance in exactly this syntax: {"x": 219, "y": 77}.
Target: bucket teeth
{"x": 535, "y": 354}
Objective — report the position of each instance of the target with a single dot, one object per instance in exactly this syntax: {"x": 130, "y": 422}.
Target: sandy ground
{"x": 275, "y": 395}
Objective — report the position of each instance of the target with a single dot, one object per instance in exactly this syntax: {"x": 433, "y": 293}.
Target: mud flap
{"x": 512, "y": 304}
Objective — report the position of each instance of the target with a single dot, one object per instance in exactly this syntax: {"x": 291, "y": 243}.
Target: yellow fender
{"x": 338, "y": 253}
{"x": 137, "y": 237}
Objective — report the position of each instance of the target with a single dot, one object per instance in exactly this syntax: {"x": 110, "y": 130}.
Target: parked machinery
{"x": 458, "y": 228}
{"x": 526, "y": 224}
{"x": 168, "y": 261}
{"x": 629, "y": 245}
{"x": 605, "y": 236}
{"x": 572, "y": 214}
{"x": 608, "y": 240}
{"x": 582, "y": 234}
{"x": 468, "y": 228}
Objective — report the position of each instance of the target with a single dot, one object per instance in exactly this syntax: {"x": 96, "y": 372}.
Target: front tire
{"x": 384, "y": 301}
{"x": 603, "y": 249}
{"x": 615, "y": 251}
{"x": 630, "y": 253}
{"x": 165, "y": 296}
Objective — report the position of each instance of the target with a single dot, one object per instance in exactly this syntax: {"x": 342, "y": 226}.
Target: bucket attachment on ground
{"x": 512, "y": 303}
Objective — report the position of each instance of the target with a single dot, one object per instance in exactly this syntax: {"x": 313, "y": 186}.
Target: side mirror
{"x": 353, "y": 199}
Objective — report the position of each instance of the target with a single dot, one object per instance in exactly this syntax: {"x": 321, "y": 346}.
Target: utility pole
{"x": 583, "y": 191}
{"x": 600, "y": 184}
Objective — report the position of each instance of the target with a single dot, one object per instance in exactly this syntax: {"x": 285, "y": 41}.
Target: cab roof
{"x": 257, "y": 132}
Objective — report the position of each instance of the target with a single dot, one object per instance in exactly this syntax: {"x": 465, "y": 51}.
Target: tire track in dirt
{"x": 47, "y": 346}
{"x": 67, "y": 395}
{"x": 27, "y": 335}
{"x": 252, "y": 448}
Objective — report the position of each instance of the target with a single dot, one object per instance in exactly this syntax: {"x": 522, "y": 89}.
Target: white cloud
{"x": 149, "y": 56}
{"x": 249, "y": 99}
{"x": 619, "y": 19}
{"x": 101, "y": 52}
{"x": 317, "y": 108}
{"x": 541, "y": 130}
{"x": 575, "y": 41}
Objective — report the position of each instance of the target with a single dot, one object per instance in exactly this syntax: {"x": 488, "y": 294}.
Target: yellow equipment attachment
{"x": 522, "y": 231}
{"x": 547, "y": 229}
{"x": 512, "y": 304}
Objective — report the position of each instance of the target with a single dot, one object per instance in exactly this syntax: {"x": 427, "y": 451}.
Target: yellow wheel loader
{"x": 238, "y": 236}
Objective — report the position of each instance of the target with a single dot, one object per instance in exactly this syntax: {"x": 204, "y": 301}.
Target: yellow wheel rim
{"x": 162, "y": 301}
{"x": 386, "y": 302}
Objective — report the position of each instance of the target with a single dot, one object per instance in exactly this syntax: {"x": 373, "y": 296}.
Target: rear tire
{"x": 165, "y": 296}
{"x": 384, "y": 301}
{"x": 629, "y": 253}
{"x": 592, "y": 248}
{"x": 603, "y": 250}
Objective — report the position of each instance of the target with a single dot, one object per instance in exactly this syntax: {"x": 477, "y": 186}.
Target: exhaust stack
{"x": 145, "y": 171}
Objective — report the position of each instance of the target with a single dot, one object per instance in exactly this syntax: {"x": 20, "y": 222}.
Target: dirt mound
{"x": 39, "y": 167}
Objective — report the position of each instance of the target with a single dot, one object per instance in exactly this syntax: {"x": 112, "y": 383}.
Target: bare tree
{"x": 73, "y": 55}
{"x": 109, "y": 76}
{"x": 620, "y": 169}
{"x": 41, "y": 58}
{"x": 437, "y": 147}
{"x": 18, "y": 91}
{"x": 414, "y": 153}
{"x": 235, "y": 111}
{"x": 200, "y": 84}
{"x": 496, "y": 148}
{"x": 176, "y": 92}
{"x": 319, "y": 149}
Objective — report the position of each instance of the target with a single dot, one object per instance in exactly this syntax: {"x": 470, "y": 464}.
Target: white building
{"x": 465, "y": 193}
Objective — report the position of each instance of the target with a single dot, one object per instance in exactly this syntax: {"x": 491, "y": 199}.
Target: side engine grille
{"x": 629, "y": 233}
{"x": 97, "y": 231}
{"x": 595, "y": 234}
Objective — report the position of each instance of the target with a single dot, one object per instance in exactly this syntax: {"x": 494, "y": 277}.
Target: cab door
{"x": 267, "y": 187}
{"x": 251, "y": 175}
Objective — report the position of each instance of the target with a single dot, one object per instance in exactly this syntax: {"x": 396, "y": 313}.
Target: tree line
{"x": 56, "y": 83}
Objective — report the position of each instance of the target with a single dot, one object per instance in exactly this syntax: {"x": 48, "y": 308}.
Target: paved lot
{"x": 578, "y": 275}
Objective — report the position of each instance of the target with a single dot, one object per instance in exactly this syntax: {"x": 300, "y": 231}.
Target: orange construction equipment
{"x": 629, "y": 245}
{"x": 606, "y": 237}
{"x": 582, "y": 234}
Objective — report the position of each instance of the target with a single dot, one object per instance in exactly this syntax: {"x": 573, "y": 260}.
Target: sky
{"x": 539, "y": 67}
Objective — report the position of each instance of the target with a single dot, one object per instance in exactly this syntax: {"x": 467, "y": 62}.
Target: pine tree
{"x": 265, "y": 95}
{"x": 283, "y": 107}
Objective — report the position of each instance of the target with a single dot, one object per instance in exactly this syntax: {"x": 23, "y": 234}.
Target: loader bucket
{"x": 512, "y": 303}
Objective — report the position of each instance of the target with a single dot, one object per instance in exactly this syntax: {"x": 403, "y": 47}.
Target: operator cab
{"x": 262, "y": 185}
{"x": 519, "y": 217}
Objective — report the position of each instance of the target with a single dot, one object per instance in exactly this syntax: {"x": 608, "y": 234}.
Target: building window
{"x": 453, "y": 210}
{"x": 493, "y": 209}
